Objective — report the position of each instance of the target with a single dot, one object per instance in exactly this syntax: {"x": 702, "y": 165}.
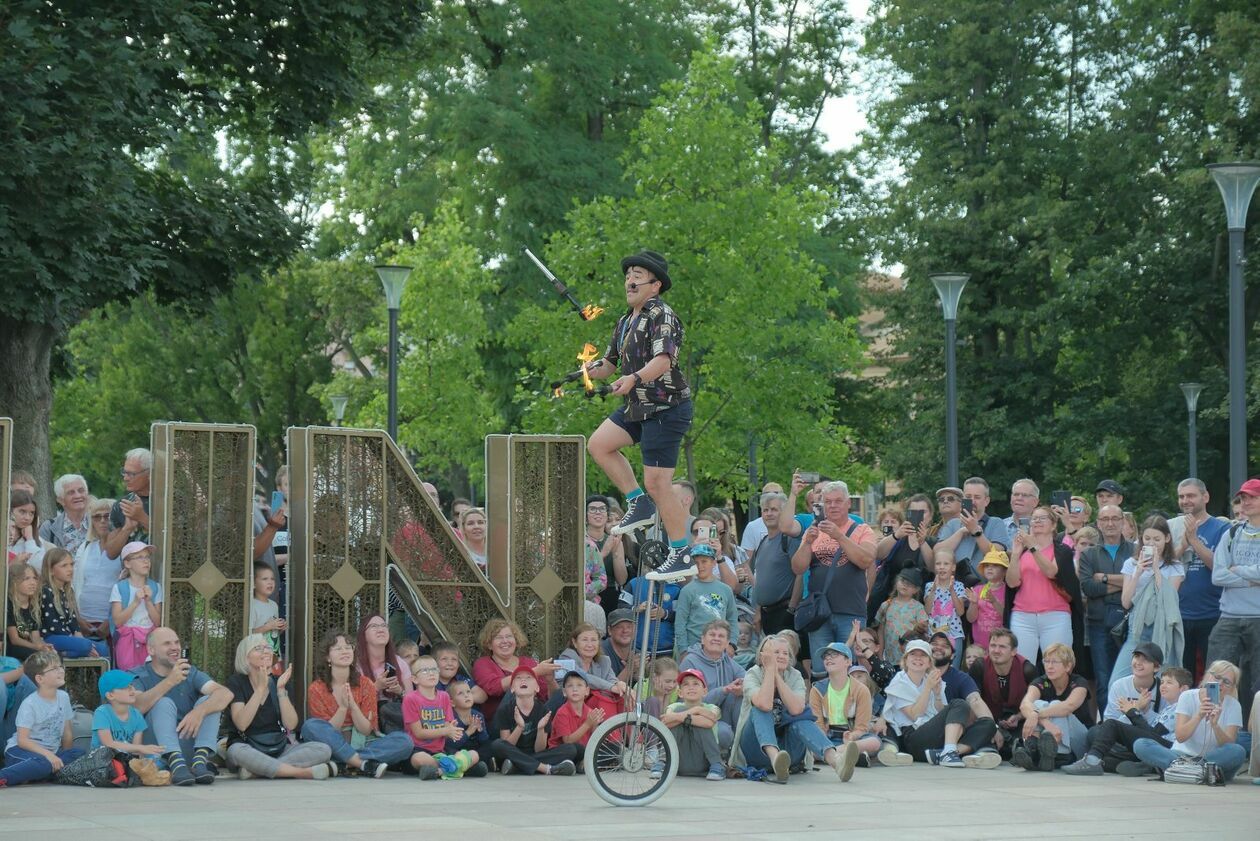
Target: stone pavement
{"x": 939, "y": 804}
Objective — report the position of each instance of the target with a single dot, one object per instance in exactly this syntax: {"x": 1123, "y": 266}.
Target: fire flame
{"x": 588, "y": 353}
{"x": 590, "y": 312}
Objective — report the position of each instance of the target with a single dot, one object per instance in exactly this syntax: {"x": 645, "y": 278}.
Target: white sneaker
{"x": 893, "y": 758}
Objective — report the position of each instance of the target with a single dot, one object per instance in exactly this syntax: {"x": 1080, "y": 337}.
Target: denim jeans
{"x": 797, "y": 734}
{"x": 163, "y": 720}
{"x": 77, "y": 646}
{"x": 390, "y": 748}
{"x": 837, "y": 629}
{"x": 24, "y": 766}
{"x": 1103, "y": 649}
{"x": 1229, "y": 757}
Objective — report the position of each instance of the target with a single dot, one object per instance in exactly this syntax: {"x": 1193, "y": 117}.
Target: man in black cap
{"x": 1109, "y": 492}
{"x": 657, "y": 412}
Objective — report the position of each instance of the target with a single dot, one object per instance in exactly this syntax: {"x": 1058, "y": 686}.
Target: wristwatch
{"x": 977, "y": 533}
{"x": 637, "y": 379}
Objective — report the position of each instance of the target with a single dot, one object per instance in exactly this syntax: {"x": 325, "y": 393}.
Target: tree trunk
{"x": 26, "y": 397}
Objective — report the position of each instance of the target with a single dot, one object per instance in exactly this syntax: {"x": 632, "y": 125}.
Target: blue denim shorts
{"x": 660, "y": 436}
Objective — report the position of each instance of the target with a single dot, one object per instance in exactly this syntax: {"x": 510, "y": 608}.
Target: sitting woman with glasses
{"x": 1043, "y": 592}
{"x": 263, "y": 717}
{"x": 381, "y": 664}
{"x": 1208, "y": 720}
{"x": 95, "y": 572}
{"x": 1057, "y": 715}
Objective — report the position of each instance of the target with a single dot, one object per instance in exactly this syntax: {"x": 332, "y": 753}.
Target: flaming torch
{"x": 586, "y": 313}
{"x": 588, "y": 353}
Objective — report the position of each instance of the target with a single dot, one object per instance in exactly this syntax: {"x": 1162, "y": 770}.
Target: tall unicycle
{"x": 632, "y": 758}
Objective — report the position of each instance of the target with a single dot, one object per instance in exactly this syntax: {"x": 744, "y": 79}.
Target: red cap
{"x": 523, "y": 670}
{"x": 693, "y": 673}
{"x": 1251, "y": 487}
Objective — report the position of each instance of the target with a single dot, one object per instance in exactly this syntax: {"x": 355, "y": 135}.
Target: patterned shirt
{"x": 61, "y": 532}
{"x": 636, "y": 341}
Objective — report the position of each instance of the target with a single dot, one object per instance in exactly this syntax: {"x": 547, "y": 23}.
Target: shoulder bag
{"x": 815, "y": 609}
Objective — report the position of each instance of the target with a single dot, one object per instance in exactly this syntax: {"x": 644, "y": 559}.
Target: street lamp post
{"x": 1191, "y": 391}
{"x": 949, "y": 286}
{"x": 1237, "y": 181}
{"x": 339, "y": 402}
{"x": 393, "y": 278}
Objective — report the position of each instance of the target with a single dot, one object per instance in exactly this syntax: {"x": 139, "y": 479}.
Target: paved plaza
{"x": 883, "y": 803}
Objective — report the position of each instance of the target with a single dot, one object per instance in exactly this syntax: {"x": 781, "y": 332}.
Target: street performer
{"x": 657, "y": 410}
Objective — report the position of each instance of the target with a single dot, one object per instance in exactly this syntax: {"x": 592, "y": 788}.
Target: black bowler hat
{"x": 654, "y": 262}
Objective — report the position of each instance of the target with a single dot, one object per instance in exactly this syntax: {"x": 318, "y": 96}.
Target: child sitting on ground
{"x": 118, "y": 725}
{"x": 900, "y": 614}
{"x": 574, "y": 721}
{"x": 972, "y": 654}
{"x": 521, "y": 725}
{"x": 746, "y": 645}
{"x": 43, "y": 743}
{"x": 693, "y": 724}
{"x": 264, "y": 614}
{"x": 660, "y": 689}
{"x": 842, "y": 708}
{"x": 475, "y": 738}
{"x": 451, "y": 671}
{"x": 986, "y": 609}
{"x": 430, "y": 721}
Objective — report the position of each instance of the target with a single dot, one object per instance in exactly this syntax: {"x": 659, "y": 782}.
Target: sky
{"x": 842, "y": 119}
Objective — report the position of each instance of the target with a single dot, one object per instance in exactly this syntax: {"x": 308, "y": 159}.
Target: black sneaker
{"x": 372, "y": 768}
{"x": 1128, "y": 768}
{"x": 203, "y": 769}
{"x": 639, "y": 514}
{"x": 864, "y": 760}
{"x": 429, "y": 772}
{"x": 933, "y": 756}
{"x": 481, "y": 769}
{"x": 1047, "y": 750}
{"x": 180, "y": 775}
{"x": 676, "y": 567}
{"x": 564, "y": 769}
{"x": 1021, "y": 758}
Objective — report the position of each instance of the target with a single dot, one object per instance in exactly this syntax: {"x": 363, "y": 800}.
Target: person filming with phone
{"x": 1208, "y": 720}
{"x": 972, "y": 532}
{"x": 1151, "y": 581}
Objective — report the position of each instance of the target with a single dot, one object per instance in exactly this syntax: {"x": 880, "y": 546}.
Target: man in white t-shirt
{"x": 756, "y": 530}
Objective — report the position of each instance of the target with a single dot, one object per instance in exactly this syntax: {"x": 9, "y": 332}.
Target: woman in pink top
{"x": 502, "y": 641}
{"x": 1046, "y": 607}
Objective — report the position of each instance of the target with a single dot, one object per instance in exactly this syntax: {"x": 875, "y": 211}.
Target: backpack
{"x": 97, "y": 769}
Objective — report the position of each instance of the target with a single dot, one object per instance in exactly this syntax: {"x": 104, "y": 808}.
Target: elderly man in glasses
{"x": 129, "y": 518}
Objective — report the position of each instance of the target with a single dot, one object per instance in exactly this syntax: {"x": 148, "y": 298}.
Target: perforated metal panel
{"x": 359, "y": 515}
{"x": 201, "y": 510}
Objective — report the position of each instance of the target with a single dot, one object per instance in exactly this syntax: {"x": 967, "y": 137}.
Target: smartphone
{"x": 968, "y": 506}
{"x": 390, "y": 670}
{"x": 277, "y": 501}
{"x": 1148, "y": 553}
{"x": 1213, "y": 692}
{"x": 183, "y": 654}
{"x": 1024, "y": 523}
{"x": 713, "y": 533}
{"x": 1060, "y": 498}
{"x": 887, "y": 529}
{"x": 820, "y": 513}
{"x": 810, "y": 478}
{"x": 915, "y": 516}
{"x": 566, "y": 665}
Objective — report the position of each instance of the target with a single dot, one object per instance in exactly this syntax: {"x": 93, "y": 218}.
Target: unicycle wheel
{"x": 622, "y": 755}
{"x": 652, "y": 553}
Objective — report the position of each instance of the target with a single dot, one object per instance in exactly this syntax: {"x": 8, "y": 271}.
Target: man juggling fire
{"x": 656, "y": 413}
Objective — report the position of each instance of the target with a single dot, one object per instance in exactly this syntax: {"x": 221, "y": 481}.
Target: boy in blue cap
{"x": 118, "y": 725}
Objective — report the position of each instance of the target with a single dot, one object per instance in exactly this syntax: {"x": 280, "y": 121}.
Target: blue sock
{"x": 678, "y": 544}
{"x": 634, "y": 494}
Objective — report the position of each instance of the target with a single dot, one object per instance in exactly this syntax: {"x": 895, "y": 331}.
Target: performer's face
{"x": 641, "y": 285}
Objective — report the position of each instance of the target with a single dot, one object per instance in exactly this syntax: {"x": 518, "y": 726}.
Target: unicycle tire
{"x": 621, "y": 754}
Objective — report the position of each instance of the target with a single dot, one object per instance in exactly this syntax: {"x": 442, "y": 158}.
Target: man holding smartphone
{"x": 657, "y": 411}
{"x": 972, "y": 532}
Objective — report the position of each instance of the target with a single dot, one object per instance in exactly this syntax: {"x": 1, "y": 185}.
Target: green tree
{"x": 94, "y": 205}
{"x": 762, "y": 351}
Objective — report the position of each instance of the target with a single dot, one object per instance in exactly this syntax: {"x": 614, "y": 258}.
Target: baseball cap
{"x": 693, "y": 673}
{"x": 1251, "y": 487}
{"x": 575, "y": 673}
{"x": 132, "y": 548}
{"x": 702, "y": 550}
{"x": 1150, "y": 651}
{"x": 839, "y": 648}
{"x": 943, "y": 636}
{"x": 858, "y": 667}
{"x": 917, "y": 645}
{"x": 1111, "y": 486}
{"x": 113, "y": 679}
{"x": 522, "y": 670}
{"x": 620, "y": 615}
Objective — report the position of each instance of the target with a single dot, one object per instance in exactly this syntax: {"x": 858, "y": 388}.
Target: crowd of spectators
{"x": 940, "y": 633}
